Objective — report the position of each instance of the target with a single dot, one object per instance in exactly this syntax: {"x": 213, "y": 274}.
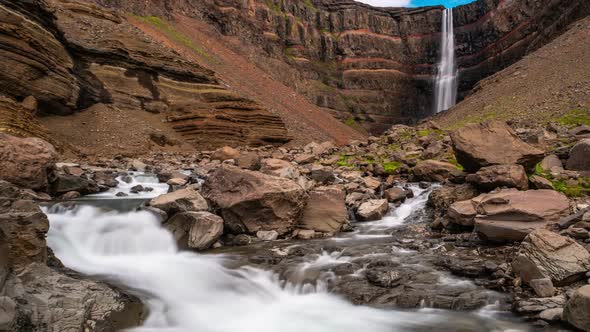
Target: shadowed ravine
{"x": 230, "y": 291}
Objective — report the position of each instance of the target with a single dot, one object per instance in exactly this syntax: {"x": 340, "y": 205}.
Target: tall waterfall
{"x": 446, "y": 78}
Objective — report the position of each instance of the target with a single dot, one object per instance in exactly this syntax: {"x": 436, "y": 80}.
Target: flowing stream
{"x": 187, "y": 292}
{"x": 446, "y": 78}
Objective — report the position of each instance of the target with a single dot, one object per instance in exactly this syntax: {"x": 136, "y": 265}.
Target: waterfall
{"x": 446, "y": 78}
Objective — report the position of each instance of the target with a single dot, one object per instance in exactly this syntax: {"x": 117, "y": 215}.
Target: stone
{"x": 278, "y": 167}
{"x": 351, "y": 176}
{"x": 551, "y": 163}
{"x": 70, "y": 195}
{"x": 492, "y": 143}
{"x": 510, "y": 215}
{"x": 8, "y": 313}
{"x": 442, "y": 197}
{"x": 384, "y": 277}
{"x": 183, "y": 200}
{"x": 249, "y": 160}
{"x": 326, "y": 210}
{"x": 225, "y": 153}
{"x": 305, "y": 234}
{"x": 462, "y": 213}
{"x": 26, "y": 162}
{"x": 539, "y": 182}
{"x": 267, "y": 235}
{"x": 543, "y": 287}
{"x": 64, "y": 183}
{"x": 176, "y": 182}
{"x": 551, "y": 315}
{"x": 492, "y": 177}
{"x": 577, "y": 308}
{"x": 251, "y": 201}
{"x": 550, "y": 255}
{"x": 373, "y": 209}
{"x": 138, "y": 165}
{"x": 305, "y": 158}
{"x": 395, "y": 194}
{"x": 322, "y": 174}
{"x": 579, "y": 159}
{"x": 436, "y": 171}
{"x": 371, "y": 182}
{"x": 195, "y": 230}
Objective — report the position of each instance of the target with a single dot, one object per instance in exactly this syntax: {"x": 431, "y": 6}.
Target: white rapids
{"x": 446, "y": 78}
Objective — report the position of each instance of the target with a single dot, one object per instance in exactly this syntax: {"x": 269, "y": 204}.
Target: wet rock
{"x": 492, "y": 177}
{"x": 137, "y": 189}
{"x": 26, "y": 162}
{"x": 373, "y": 209}
{"x": 70, "y": 195}
{"x": 64, "y": 183}
{"x": 138, "y": 165}
{"x": 121, "y": 194}
{"x": 492, "y": 143}
{"x": 242, "y": 240}
{"x": 196, "y": 230}
{"x": 267, "y": 235}
{"x": 252, "y": 201}
{"x": 437, "y": 171}
{"x": 280, "y": 168}
{"x": 326, "y": 210}
{"x": 395, "y": 194}
{"x": 510, "y": 215}
{"x": 544, "y": 254}
{"x": 577, "y": 308}
{"x": 538, "y": 182}
{"x": 579, "y": 159}
{"x": 304, "y": 234}
{"x": 384, "y": 277}
{"x": 183, "y": 200}
{"x": 225, "y": 153}
{"x": 106, "y": 179}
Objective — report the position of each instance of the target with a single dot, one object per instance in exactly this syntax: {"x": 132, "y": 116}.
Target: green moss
{"x": 580, "y": 189}
{"x": 350, "y": 121}
{"x": 391, "y": 166}
{"x": 169, "y": 30}
{"x": 576, "y": 117}
{"x": 309, "y": 5}
{"x": 344, "y": 161}
{"x": 275, "y": 7}
{"x": 428, "y": 132}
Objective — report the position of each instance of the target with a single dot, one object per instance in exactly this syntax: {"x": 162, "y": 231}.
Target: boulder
{"x": 249, "y": 160}
{"x": 510, "y": 215}
{"x": 492, "y": 177}
{"x": 64, "y": 183}
{"x": 371, "y": 182}
{"x": 373, "y": 209}
{"x": 577, "y": 309}
{"x": 251, "y": 201}
{"x": 551, "y": 163}
{"x": 183, "y": 200}
{"x": 225, "y": 153}
{"x": 492, "y": 143}
{"x": 322, "y": 174}
{"x": 26, "y": 162}
{"x": 278, "y": 167}
{"x": 442, "y": 197}
{"x": 267, "y": 235}
{"x": 539, "y": 182}
{"x": 437, "y": 171}
{"x": 395, "y": 194}
{"x": 545, "y": 254}
{"x": 463, "y": 213}
{"x": 579, "y": 159}
{"x": 195, "y": 230}
{"x": 326, "y": 211}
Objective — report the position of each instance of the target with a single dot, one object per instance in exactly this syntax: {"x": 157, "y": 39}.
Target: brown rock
{"x": 183, "y": 200}
{"x": 280, "y": 168}
{"x": 492, "y": 177}
{"x": 196, "y": 230}
{"x": 538, "y": 182}
{"x": 225, "y": 153}
{"x": 26, "y": 162}
{"x": 373, "y": 209}
{"x": 493, "y": 143}
{"x": 251, "y": 201}
{"x": 371, "y": 182}
{"x": 326, "y": 211}
{"x": 436, "y": 171}
{"x": 463, "y": 213}
{"x": 395, "y": 194}
{"x": 551, "y": 163}
{"x": 579, "y": 159}
{"x": 577, "y": 308}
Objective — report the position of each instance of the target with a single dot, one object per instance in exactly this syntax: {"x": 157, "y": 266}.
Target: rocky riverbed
{"x": 485, "y": 220}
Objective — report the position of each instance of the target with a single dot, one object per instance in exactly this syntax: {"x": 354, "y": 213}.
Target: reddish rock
{"x": 26, "y": 162}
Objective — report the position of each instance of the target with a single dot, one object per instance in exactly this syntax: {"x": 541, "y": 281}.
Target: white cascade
{"x": 446, "y": 78}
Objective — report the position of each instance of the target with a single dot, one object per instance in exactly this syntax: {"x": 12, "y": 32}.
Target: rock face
{"x": 493, "y": 143}
{"x": 579, "y": 159}
{"x": 196, "y": 230}
{"x": 326, "y": 211}
{"x": 510, "y": 215}
{"x": 26, "y": 162}
{"x": 379, "y": 62}
{"x": 492, "y": 177}
{"x": 544, "y": 254}
{"x": 577, "y": 308}
{"x": 252, "y": 201}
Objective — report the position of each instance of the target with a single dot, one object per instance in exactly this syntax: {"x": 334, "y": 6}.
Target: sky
{"x": 415, "y": 3}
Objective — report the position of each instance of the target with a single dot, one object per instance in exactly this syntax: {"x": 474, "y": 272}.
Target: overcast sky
{"x": 415, "y": 3}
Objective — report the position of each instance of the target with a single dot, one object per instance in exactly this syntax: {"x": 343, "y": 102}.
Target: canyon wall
{"x": 374, "y": 66}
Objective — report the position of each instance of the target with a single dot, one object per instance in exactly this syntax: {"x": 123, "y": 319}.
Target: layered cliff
{"x": 373, "y": 65}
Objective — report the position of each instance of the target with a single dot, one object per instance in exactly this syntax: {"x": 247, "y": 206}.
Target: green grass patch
{"x": 169, "y": 30}
{"x": 344, "y": 161}
{"x": 309, "y": 5}
{"x": 391, "y": 166}
{"x": 574, "y": 118}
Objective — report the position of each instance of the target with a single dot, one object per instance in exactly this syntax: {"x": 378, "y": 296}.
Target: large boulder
{"x": 492, "y": 143}
{"x": 492, "y": 177}
{"x": 579, "y": 159}
{"x": 195, "y": 230}
{"x": 545, "y": 254}
{"x": 252, "y": 201}
{"x": 577, "y": 309}
{"x": 510, "y": 215}
{"x": 278, "y": 167}
{"x": 437, "y": 171}
{"x": 26, "y": 162}
{"x": 442, "y": 197}
{"x": 182, "y": 200}
{"x": 64, "y": 183}
{"x": 326, "y": 211}
{"x": 373, "y": 209}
